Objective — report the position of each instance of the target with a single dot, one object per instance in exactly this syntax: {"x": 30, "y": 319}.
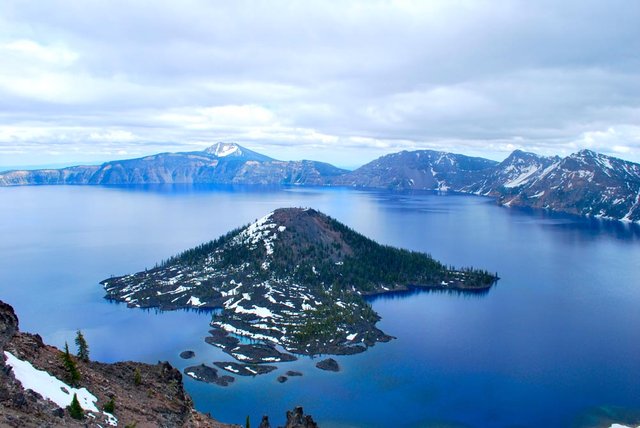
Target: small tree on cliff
{"x": 73, "y": 374}
{"x": 83, "y": 348}
{"x": 137, "y": 377}
{"x": 75, "y": 410}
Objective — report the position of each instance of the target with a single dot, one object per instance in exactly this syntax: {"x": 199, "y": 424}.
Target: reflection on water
{"x": 415, "y": 290}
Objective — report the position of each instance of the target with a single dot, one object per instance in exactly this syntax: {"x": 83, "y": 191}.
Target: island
{"x": 294, "y": 282}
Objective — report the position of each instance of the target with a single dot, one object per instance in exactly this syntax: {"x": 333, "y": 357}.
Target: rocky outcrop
{"x": 144, "y": 394}
{"x": 329, "y": 365}
{"x": 295, "y": 419}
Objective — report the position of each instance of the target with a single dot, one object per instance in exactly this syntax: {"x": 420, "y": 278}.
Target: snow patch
{"x": 194, "y": 301}
{"x": 523, "y": 177}
{"x": 50, "y": 387}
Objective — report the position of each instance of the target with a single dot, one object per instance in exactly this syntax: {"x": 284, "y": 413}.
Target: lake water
{"x": 558, "y": 336}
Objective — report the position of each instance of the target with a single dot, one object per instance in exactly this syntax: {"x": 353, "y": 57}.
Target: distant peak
{"x": 585, "y": 153}
{"x": 224, "y": 149}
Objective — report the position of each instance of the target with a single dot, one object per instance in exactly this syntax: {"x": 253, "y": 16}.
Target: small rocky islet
{"x": 293, "y": 282}
{"x": 328, "y": 365}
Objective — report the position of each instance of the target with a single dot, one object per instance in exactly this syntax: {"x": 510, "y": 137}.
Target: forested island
{"x": 296, "y": 278}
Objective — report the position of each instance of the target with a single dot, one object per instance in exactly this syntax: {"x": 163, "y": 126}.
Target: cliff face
{"x": 222, "y": 163}
{"x": 157, "y": 400}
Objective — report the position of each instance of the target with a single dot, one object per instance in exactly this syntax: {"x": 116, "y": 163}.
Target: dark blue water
{"x": 559, "y": 335}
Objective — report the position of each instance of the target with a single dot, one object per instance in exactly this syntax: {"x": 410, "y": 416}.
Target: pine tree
{"x": 248, "y": 422}
{"x": 110, "y": 406}
{"x": 75, "y": 410}
{"x": 137, "y": 377}
{"x": 83, "y": 348}
{"x": 69, "y": 365}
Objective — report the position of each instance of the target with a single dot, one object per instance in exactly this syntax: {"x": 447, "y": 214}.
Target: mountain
{"x": 294, "y": 278}
{"x": 421, "y": 169}
{"x": 516, "y": 170}
{"x": 35, "y": 389}
{"x": 222, "y": 163}
{"x": 584, "y": 183}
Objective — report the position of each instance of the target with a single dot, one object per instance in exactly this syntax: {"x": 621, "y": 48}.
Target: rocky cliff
{"x": 157, "y": 399}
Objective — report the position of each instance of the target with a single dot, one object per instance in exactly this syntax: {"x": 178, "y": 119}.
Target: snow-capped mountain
{"x": 235, "y": 151}
{"x": 518, "y": 169}
{"x": 584, "y": 183}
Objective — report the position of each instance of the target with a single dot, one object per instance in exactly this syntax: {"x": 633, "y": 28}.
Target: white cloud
{"x": 354, "y": 78}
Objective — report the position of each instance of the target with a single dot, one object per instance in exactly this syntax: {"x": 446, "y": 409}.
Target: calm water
{"x": 559, "y": 335}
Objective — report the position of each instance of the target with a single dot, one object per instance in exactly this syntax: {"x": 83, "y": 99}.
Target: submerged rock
{"x": 186, "y": 355}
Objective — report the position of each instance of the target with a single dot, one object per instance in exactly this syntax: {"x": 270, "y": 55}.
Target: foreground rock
{"x": 295, "y": 278}
{"x": 329, "y": 365}
{"x": 295, "y": 419}
{"x": 207, "y": 374}
{"x": 158, "y": 399}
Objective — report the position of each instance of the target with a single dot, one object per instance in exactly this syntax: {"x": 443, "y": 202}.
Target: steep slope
{"x": 293, "y": 278}
{"x": 518, "y": 169}
{"x": 222, "y": 163}
{"x": 157, "y": 400}
{"x": 584, "y": 183}
{"x": 71, "y": 175}
{"x": 422, "y": 169}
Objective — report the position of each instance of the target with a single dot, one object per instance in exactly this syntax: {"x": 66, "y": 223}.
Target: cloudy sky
{"x": 339, "y": 81}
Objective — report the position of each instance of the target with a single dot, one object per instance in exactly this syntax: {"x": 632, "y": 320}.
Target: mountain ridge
{"x": 584, "y": 183}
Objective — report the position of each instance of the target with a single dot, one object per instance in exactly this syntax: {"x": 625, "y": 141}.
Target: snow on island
{"x": 294, "y": 278}
{"x": 52, "y": 388}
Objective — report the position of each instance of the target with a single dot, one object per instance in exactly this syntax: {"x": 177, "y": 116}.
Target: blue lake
{"x": 558, "y": 336}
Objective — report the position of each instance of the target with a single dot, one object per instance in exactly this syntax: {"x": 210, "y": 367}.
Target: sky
{"x": 85, "y": 81}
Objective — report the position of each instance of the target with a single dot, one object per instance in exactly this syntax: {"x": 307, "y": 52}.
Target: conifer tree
{"x": 83, "y": 348}
{"x": 69, "y": 365}
{"x": 75, "y": 410}
{"x": 110, "y": 406}
{"x": 137, "y": 377}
